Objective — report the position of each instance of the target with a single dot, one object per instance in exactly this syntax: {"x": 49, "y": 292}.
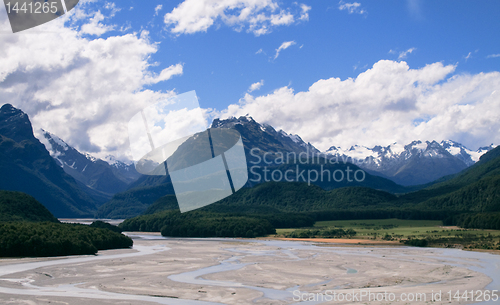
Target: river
{"x": 237, "y": 258}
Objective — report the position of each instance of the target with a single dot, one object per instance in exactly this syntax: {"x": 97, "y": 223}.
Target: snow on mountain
{"x": 463, "y": 153}
{"x": 109, "y": 176}
{"x": 415, "y": 163}
{"x": 54, "y": 145}
{"x": 294, "y": 137}
{"x": 396, "y": 150}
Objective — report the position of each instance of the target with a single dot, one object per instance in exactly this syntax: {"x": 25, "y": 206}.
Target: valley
{"x": 230, "y": 271}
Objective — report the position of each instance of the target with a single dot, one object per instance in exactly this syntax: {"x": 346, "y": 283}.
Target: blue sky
{"x": 365, "y": 72}
{"x": 221, "y": 63}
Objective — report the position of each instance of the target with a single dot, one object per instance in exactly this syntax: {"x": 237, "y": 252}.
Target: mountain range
{"x": 474, "y": 191}
{"x": 72, "y": 184}
{"x": 416, "y": 163}
{"x": 412, "y": 164}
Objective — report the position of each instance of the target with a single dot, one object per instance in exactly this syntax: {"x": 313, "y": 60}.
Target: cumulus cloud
{"x": 493, "y": 56}
{"x": 256, "y": 16}
{"x": 351, "y": 8}
{"x": 82, "y": 88}
{"x": 256, "y": 86}
{"x": 387, "y": 103}
{"x": 285, "y": 45}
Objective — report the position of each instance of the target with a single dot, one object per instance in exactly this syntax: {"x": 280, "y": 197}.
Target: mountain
{"x": 17, "y": 206}
{"x": 26, "y": 166}
{"x": 413, "y": 164}
{"x": 469, "y": 157}
{"x": 417, "y": 163}
{"x": 262, "y": 144}
{"x": 470, "y": 199}
{"x": 135, "y": 201}
{"x": 110, "y": 176}
{"x": 276, "y": 197}
{"x": 476, "y": 189}
{"x": 264, "y": 138}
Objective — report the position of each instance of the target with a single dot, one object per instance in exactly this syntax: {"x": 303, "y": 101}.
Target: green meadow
{"x": 402, "y": 230}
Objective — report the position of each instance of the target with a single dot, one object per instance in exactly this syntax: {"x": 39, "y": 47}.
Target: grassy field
{"x": 398, "y": 229}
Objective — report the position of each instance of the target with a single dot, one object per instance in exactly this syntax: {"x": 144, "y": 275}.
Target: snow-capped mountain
{"x": 109, "y": 175}
{"x": 463, "y": 153}
{"x": 264, "y": 137}
{"x": 415, "y": 163}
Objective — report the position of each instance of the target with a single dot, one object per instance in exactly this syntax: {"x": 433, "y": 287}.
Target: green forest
{"x": 28, "y": 229}
{"x": 21, "y": 239}
{"x": 199, "y": 224}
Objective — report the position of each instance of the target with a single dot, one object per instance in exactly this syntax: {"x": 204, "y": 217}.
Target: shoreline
{"x": 334, "y": 241}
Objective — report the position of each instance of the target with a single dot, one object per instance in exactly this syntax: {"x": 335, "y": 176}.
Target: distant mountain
{"x": 258, "y": 140}
{"x": 471, "y": 197}
{"x": 417, "y": 163}
{"x": 476, "y": 189}
{"x": 469, "y": 157}
{"x": 110, "y": 176}
{"x": 413, "y": 164}
{"x": 17, "y": 206}
{"x": 26, "y": 166}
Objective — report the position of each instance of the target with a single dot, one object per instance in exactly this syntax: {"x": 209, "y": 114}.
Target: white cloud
{"x": 95, "y": 27}
{"x": 388, "y": 103}
{"x": 165, "y": 74}
{"x": 285, "y": 45}
{"x": 470, "y": 55}
{"x": 158, "y": 8}
{"x": 81, "y": 88}
{"x": 112, "y": 7}
{"x": 493, "y": 56}
{"x": 404, "y": 54}
{"x": 304, "y": 15}
{"x": 256, "y": 86}
{"x": 351, "y": 8}
{"x": 260, "y": 51}
{"x": 257, "y": 16}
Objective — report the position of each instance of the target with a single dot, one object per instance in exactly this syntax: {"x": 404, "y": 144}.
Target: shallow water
{"x": 73, "y": 291}
{"x": 485, "y": 263}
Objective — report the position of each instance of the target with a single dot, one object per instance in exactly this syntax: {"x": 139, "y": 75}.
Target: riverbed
{"x": 247, "y": 271}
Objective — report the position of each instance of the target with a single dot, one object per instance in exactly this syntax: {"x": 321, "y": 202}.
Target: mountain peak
{"x": 264, "y": 136}
{"x": 232, "y": 121}
{"x": 15, "y": 124}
